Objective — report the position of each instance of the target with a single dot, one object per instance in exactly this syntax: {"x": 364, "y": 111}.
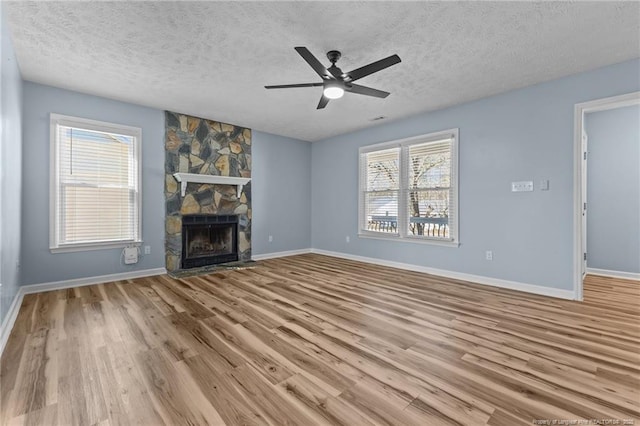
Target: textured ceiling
{"x": 212, "y": 59}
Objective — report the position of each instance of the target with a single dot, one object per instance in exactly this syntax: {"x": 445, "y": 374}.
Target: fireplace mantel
{"x": 185, "y": 178}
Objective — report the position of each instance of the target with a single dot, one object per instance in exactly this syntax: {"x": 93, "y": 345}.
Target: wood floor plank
{"x": 175, "y": 395}
{"x": 326, "y": 408}
{"x": 502, "y": 418}
{"x": 263, "y": 396}
{"x": 73, "y": 404}
{"x": 220, "y": 390}
{"x": 375, "y": 402}
{"x": 312, "y": 339}
{"x": 45, "y": 416}
{"x": 124, "y": 389}
{"x": 33, "y": 389}
{"x": 205, "y": 342}
{"x": 250, "y": 348}
{"x": 323, "y": 372}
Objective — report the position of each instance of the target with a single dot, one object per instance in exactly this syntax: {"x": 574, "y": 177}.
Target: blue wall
{"x": 613, "y": 189}
{"x": 10, "y": 168}
{"x": 280, "y": 188}
{"x": 38, "y": 263}
{"x": 525, "y": 134}
{"x": 281, "y": 191}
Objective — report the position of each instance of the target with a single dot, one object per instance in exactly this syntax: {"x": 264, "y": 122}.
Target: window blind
{"x": 429, "y": 190}
{"x": 381, "y": 177}
{"x": 96, "y": 187}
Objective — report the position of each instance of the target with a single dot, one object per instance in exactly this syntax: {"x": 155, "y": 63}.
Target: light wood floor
{"x": 312, "y": 339}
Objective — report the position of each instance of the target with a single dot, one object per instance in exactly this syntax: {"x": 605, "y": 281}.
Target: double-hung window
{"x": 95, "y": 184}
{"x": 409, "y": 189}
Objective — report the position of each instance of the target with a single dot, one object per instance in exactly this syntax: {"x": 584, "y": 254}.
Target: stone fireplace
{"x": 207, "y": 219}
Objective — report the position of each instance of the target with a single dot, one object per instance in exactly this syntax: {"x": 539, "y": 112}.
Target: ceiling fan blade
{"x": 364, "y": 90}
{"x": 313, "y": 61}
{"x": 372, "y": 67}
{"x": 289, "y": 86}
{"x": 323, "y": 102}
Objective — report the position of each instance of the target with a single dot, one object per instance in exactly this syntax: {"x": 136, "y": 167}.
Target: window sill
{"x": 94, "y": 246}
{"x": 414, "y": 240}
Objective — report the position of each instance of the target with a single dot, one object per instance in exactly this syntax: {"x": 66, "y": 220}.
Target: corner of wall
{"x": 10, "y": 169}
{"x": 281, "y": 182}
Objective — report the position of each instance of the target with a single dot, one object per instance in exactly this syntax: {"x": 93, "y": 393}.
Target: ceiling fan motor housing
{"x": 333, "y": 56}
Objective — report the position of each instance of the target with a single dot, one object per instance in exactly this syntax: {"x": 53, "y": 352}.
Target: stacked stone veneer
{"x": 196, "y": 145}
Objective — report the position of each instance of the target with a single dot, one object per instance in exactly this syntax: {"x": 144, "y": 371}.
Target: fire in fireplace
{"x": 209, "y": 240}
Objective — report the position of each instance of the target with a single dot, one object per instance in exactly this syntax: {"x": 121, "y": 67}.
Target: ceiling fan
{"x": 336, "y": 82}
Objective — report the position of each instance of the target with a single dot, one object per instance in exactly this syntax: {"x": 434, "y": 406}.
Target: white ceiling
{"x": 212, "y": 59}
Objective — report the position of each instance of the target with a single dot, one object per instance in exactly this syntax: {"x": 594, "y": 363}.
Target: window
{"x": 409, "y": 189}
{"x": 95, "y": 184}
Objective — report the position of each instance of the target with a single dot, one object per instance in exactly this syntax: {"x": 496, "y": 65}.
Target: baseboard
{"x": 10, "y": 319}
{"x": 79, "y": 282}
{"x": 280, "y": 254}
{"x": 614, "y": 274}
{"x": 478, "y": 279}
{"x": 12, "y": 314}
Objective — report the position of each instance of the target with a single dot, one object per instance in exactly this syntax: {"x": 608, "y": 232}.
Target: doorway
{"x": 581, "y": 204}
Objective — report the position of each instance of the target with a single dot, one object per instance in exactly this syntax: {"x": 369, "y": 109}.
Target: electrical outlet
{"x": 488, "y": 255}
{"x": 270, "y": 238}
{"x": 147, "y": 249}
{"x": 348, "y": 239}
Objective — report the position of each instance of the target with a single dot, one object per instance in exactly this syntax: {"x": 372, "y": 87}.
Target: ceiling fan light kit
{"x": 335, "y": 82}
{"x": 333, "y": 90}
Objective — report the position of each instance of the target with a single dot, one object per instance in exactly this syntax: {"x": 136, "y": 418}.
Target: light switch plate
{"x": 522, "y": 186}
{"x": 544, "y": 185}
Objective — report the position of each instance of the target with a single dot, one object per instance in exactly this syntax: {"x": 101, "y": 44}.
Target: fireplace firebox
{"x": 209, "y": 240}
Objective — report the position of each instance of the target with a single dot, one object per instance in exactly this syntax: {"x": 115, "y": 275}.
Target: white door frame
{"x": 580, "y": 181}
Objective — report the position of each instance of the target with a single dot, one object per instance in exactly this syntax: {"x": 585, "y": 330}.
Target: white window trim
{"x": 402, "y": 235}
{"x": 54, "y": 182}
